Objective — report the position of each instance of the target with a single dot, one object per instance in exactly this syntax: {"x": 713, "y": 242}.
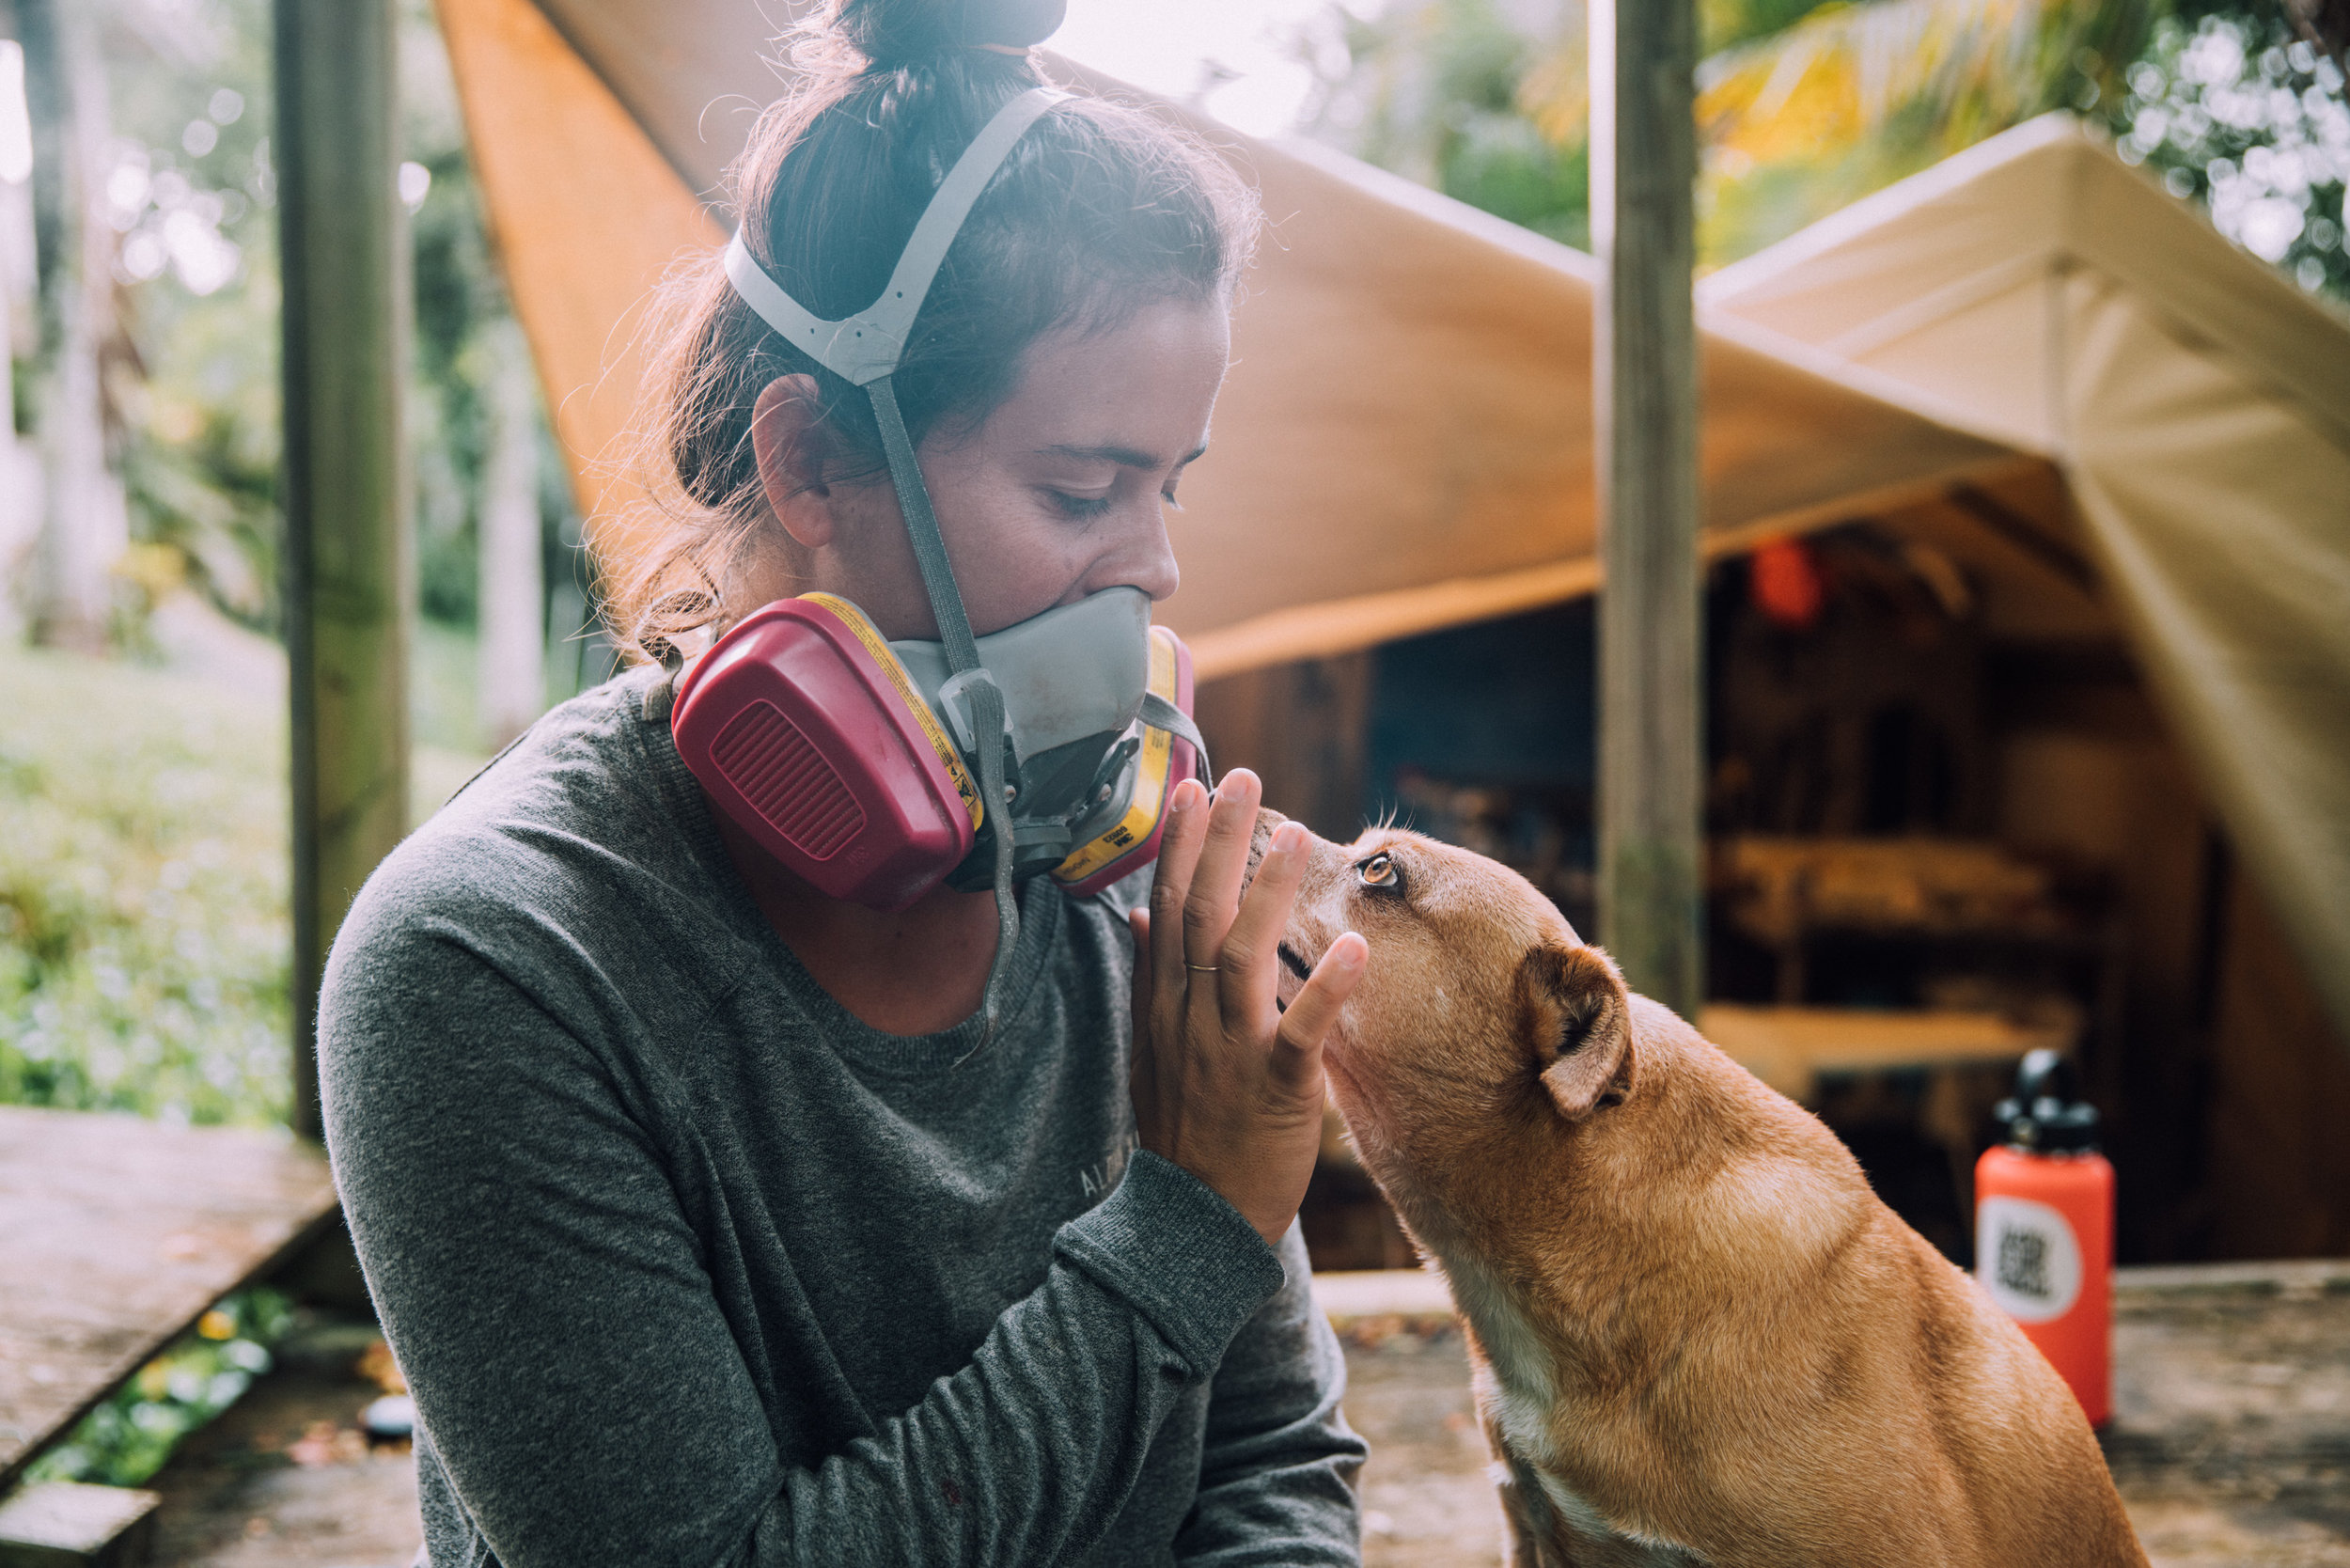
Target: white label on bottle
{"x": 2028, "y": 1258}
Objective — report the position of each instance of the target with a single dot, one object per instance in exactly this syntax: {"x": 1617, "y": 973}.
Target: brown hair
{"x": 1100, "y": 209}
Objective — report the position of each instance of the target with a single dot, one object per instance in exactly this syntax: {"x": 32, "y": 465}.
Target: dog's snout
{"x": 1260, "y": 839}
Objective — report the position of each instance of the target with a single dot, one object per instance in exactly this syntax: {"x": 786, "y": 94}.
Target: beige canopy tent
{"x": 1404, "y": 441}
{"x": 2198, "y": 406}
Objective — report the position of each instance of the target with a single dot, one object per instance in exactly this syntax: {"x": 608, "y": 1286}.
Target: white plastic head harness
{"x": 864, "y": 350}
{"x": 866, "y": 347}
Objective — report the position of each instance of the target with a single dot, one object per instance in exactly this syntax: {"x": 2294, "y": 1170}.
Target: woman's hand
{"x": 1225, "y": 1084}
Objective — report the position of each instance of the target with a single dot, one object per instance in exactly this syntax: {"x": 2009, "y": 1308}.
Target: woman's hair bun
{"x": 890, "y": 32}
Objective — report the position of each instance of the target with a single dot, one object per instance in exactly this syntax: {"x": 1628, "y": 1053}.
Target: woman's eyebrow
{"x": 1125, "y": 457}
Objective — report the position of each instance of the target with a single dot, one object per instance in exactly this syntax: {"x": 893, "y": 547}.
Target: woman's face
{"x": 1059, "y": 493}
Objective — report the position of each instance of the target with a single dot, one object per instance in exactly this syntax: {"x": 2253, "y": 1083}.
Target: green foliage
{"x": 1503, "y": 165}
{"x": 126, "y": 1440}
{"x": 461, "y": 319}
{"x": 143, "y": 930}
{"x": 1743, "y": 207}
{"x": 1848, "y": 98}
{"x": 2240, "y": 115}
{"x": 1436, "y": 90}
{"x": 1807, "y": 106}
{"x": 450, "y": 416}
{"x": 1727, "y": 23}
{"x": 191, "y": 186}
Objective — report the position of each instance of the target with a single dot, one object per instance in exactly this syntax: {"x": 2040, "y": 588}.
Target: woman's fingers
{"x": 1138, "y": 922}
{"x": 1227, "y": 1084}
{"x": 1142, "y": 1065}
{"x": 1297, "y": 1044}
{"x": 1215, "y": 889}
{"x": 1170, "y": 883}
{"x": 1251, "y": 946}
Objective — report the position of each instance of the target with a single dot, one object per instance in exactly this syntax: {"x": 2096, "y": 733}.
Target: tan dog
{"x": 1698, "y": 1336}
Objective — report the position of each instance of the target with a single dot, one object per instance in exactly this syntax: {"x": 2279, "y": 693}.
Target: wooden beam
{"x": 346, "y": 570}
{"x": 1643, "y": 59}
{"x": 64, "y": 1524}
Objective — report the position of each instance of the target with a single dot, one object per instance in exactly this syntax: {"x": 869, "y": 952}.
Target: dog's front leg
{"x": 1530, "y": 1529}
{"x": 1523, "y": 1510}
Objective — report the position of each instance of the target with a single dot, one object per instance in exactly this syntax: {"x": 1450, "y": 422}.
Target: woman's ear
{"x": 791, "y": 445}
{"x": 1578, "y": 1025}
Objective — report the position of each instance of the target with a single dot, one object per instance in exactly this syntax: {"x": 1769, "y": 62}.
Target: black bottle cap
{"x": 2046, "y": 1116}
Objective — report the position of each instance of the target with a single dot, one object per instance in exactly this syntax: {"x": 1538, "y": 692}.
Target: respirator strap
{"x": 929, "y": 547}
{"x": 1159, "y": 714}
{"x": 986, "y": 699}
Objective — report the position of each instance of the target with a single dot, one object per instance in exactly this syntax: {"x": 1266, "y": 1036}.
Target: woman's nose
{"x": 1145, "y": 557}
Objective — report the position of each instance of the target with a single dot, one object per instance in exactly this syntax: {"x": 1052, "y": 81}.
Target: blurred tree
{"x": 1481, "y": 99}
{"x": 2247, "y": 117}
{"x": 1806, "y": 106}
{"x": 67, "y": 594}
{"x": 513, "y": 657}
{"x": 173, "y": 207}
{"x": 177, "y": 193}
{"x": 1940, "y": 73}
{"x": 2240, "y": 113}
{"x": 19, "y": 464}
{"x": 493, "y": 504}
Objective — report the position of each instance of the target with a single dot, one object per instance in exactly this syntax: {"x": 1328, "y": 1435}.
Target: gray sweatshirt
{"x": 686, "y": 1265}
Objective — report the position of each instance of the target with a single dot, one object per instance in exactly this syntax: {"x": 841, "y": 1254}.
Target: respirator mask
{"x": 877, "y": 770}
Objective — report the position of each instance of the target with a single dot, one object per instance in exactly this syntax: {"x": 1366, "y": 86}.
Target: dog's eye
{"x": 1382, "y": 872}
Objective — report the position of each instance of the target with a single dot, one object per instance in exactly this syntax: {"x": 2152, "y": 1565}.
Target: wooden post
{"x": 341, "y": 238}
{"x": 1643, "y": 59}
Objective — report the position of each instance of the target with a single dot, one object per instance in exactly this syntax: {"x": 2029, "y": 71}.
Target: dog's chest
{"x": 1518, "y": 1390}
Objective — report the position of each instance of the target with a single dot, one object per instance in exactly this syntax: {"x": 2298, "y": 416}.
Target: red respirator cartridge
{"x": 802, "y": 727}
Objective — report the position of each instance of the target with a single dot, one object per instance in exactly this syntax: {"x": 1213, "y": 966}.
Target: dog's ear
{"x": 1578, "y": 1025}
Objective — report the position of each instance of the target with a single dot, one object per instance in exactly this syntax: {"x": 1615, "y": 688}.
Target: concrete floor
{"x": 2231, "y": 1446}
{"x": 1427, "y": 1502}
{"x": 285, "y": 1479}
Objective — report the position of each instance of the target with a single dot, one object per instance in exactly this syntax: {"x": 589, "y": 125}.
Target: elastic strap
{"x": 930, "y": 546}
{"x": 1159, "y": 714}
{"x": 962, "y": 654}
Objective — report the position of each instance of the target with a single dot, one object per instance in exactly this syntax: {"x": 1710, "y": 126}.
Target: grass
{"x": 143, "y": 935}
{"x": 144, "y": 938}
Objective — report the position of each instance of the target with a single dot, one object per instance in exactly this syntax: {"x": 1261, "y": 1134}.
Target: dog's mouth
{"x": 1299, "y": 972}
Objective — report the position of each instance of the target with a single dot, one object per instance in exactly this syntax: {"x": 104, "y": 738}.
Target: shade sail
{"x": 1405, "y": 438}
{"x": 2198, "y": 407}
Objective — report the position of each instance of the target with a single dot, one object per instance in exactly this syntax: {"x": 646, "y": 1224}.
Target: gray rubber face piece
{"x": 1071, "y": 674}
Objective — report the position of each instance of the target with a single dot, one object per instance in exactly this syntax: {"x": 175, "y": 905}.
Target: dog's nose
{"x": 1323, "y": 857}
{"x": 1267, "y": 819}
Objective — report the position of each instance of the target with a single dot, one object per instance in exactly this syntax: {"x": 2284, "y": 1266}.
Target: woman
{"x": 702, "y": 1231}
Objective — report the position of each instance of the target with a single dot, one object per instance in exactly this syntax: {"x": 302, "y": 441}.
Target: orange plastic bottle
{"x": 2044, "y": 1228}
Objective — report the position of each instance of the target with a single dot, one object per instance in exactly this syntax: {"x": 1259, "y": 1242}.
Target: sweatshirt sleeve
{"x": 545, "y": 1296}
{"x": 1276, "y": 1483}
